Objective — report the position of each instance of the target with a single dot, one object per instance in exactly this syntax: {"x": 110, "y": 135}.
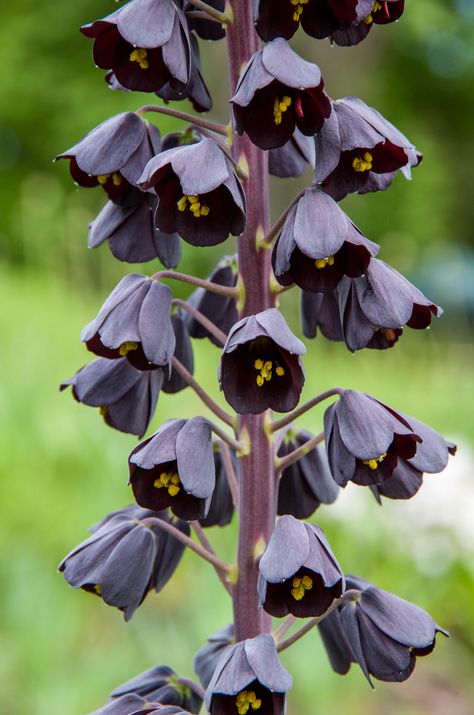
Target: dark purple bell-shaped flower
{"x": 307, "y": 483}
{"x": 175, "y": 468}
{"x": 131, "y": 234}
{"x": 373, "y": 12}
{"x": 277, "y": 92}
{"x": 195, "y": 90}
{"x": 221, "y": 309}
{"x": 159, "y": 709}
{"x": 135, "y": 323}
{"x": 183, "y": 352}
{"x": 260, "y": 366}
{"x": 221, "y": 509}
{"x": 365, "y": 439}
{"x": 200, "y": 196}
{"x": 358, "y": 150}
{"x": 125, "y": 705}
{"x": 375, "y": 307}
{"x": 431, "y": 457}
{"x": 249, "y": 677}
{"x": 299, "y": 573}
{"x": 113, "y": 155}
{"x": 124, "y": 559}
{"x": 293, "y": 158}
{"x": 126, "y": 397}
{"x": 162, "y": 685}
{"x": 321, "y": 310}
{"x": 145, "y": 43}
{"x": 207, "y": 657}
{"x": 381, "y": 632}
{"x": 319, "y": 244}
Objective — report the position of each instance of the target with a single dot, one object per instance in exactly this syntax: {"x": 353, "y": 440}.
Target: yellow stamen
{"x": 369, "y": 19}
{"x": 280, "y": 371}
{"x": 265, "y": 371}
{"x": 139, "y": 54}
{"x": 247, "y": 699}
{"x": 197, "y": 209}
{"x": 362, "y": 163}
{"x": 116, "y": 178}
{"x": 103, "y": 178}
{"x": 102, "y": 411}
{"x": 374, "y": 463}
{"x": 280, "y": 106}
{"x": 169, "y": 481}
{"x": 298, "y": 5}
{"x": 300, "y": 586}
{"x": 323, "y": 262}
{"x": 127, "y": 346}
{"x": 97, "y": 589}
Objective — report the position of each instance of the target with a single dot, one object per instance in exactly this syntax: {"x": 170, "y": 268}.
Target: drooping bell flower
{"x": 381, "y": 632}
{"x": 200, "y": 195}
{"x": 175, "y": 468}
{"x": 366, "y": 439}
{"x": 126, "y": 397}
{"x": 220, "y": 309}
{"x": 135, "y": 323}
{"x": 358, "y": 150}
{"x": 321, "y": 310}
{"x": 277, "y": 92}
{"x": 373, "y": 12}
{"x": 183, "y": 351}
{"x": 124, "y": 559}
{"x": 375, "y": 307}
{"x": 249, "y": 678}
{"x": 260, "y": 367}
{"x": 161, "y": 684}
{"x": 307, "y": 483}
{"x": 221, "y": 509}
{"x": 145, "y": 43}
{"x": 195, "y": 90}
{"x": 319, "y": 244}
{"x": 113, "y": 155}
{"x": 131, "y": 233}
{"x": 208, "y": 656}
{"x": 293, "y": 158}
{"x": 298, "y": 572}
{"x": 122, "y": 706}
{"x": 431, "y": 456}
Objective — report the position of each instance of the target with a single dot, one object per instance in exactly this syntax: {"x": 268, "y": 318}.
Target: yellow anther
{"x": 182, "y": 203}
{"x": 298, "y": 5}
{"x": 204, "y": 210}
{"x": 265, "y": 370}
{"x": 258, "y": 364}
{"x": 363, "y": 163}
{"x": 169, "y": 481}
{"x": 280, "y": 371}
{"x": 127, "y": 346}
{"x": 102, "y": 411}
{"x": 374, "y": 463}
{"x": 323, "y": 262}
{"x": 116, "y": 178}
{"x": 247, "y": 699}
{"x": 97, "y": 589}
{"x": 259, "y": 380}
{"x": 268, "y": 365}
{"x": 280, "y": 106}
{"x": 300, "y": 586}
{"x": 197, "y": 209}
{"x": 103, "y": 178}
{"x": 139, "y": 54}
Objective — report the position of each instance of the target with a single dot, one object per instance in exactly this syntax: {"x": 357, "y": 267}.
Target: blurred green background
{"x": 63, "y": 469}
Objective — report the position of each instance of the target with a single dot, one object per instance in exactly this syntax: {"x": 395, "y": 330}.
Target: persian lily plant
{"x": 203, "y": 185}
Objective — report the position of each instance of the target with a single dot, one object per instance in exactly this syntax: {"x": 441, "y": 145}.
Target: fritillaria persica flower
{"x": 299, "y": 573}
{"x": 195, "y": 90}
{"x": 200, "y": 196}
{"x": 135, "y": 323}
{"x": 321, "y": 310}
{"x": 125, "y": 705}
{"x": 260, "y": 365}
{"x": 278, "y": 91}
{"x": 307, "y": 483}
{"x": 207, "y": 657}
{"x": 175, "y": 468}
{"x": 249, "y": 678}
{"x": 161, "y": 685}
{"x": 221, "y": 509}
{"x": 113, "y": 156}
{"x": 365, "y": 439}
{"x": 358, "y": 150}
{"x": 145, "y": 43}
{"x": 126, "y": 397}
{"x": 381, "y": 632}
{"x": 124, "y": 559}
{"x": 183, "y": 351}
{"x": 319, "y": 244}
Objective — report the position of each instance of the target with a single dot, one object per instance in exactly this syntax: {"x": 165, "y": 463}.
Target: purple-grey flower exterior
{"x": 126, "y": 397}
{"x": 277, "y": 92}
{"x": 358, "y": 150}
{"x": 431, "y": 456}
{"x": 195, "y": 90}
{"x": 201, "y": 198}
{"x": 221, "y": 509}
{"x": 260, "y": 367}
{"x": 307, "y": 483}
{"x": 293, "y": 158}
{"x": 298, "y": 572}
{"x": 366, "y": 439}
{"x": 161, "y": 684}
{"x": 125, "y": 705}
{"x": 382, "y": 12}
{"x": 381, "y": 632}
{"x": 135, "y": 323}
{"x": 131, "y": 234}
{"x": 319, "y": 244}
{"x": 375, "y": 307}
{"x": 183, "y": 352}
{"x": 321, "y": 310}
{"x": 220, "y": 309}
{"x": 208, "y": 656}
{"x": 124, "y": 559}
{"x": 249, "y": 677}
{"x": 175, "y": 468}
{"x": 113, "y": 155}
{"x": 145, "y": 43}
